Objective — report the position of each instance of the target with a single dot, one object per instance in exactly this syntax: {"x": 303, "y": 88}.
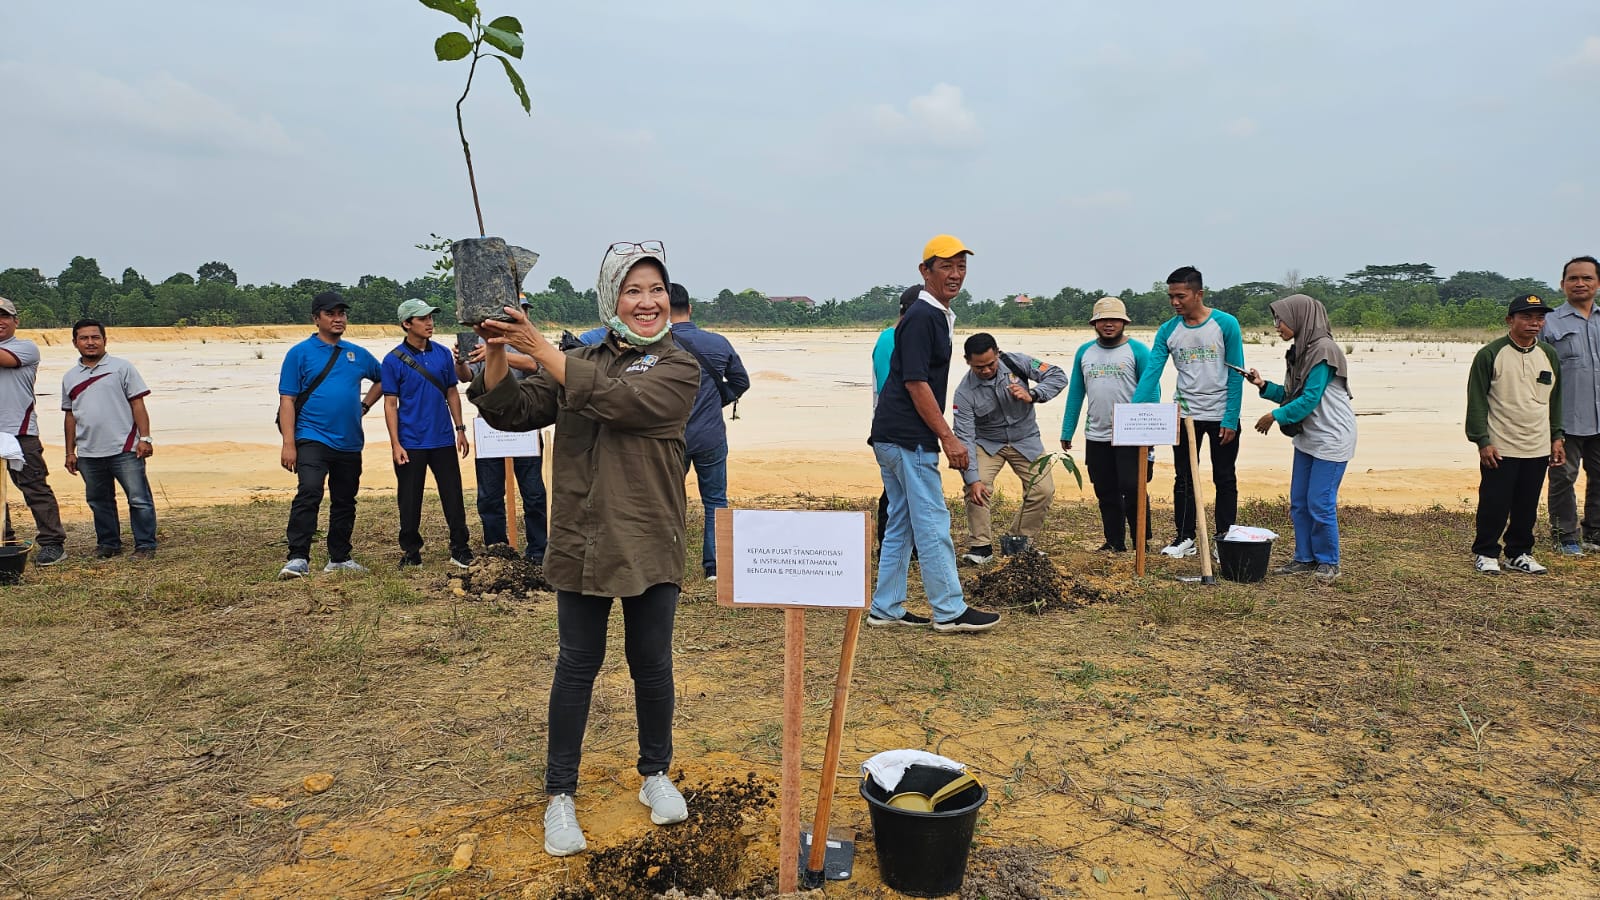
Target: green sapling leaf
{"x": 507, "y": 23}
{"x": 452, "y": 46}
{"x": 517, "y": 85}
{"x": 454, "y": 8}
{"x": 506, "y": 41}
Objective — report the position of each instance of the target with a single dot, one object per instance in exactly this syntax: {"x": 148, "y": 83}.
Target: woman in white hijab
{"x": 1313, "y": 408}
{"x": 617, "y": 512}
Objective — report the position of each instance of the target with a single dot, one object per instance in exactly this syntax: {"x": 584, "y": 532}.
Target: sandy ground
{"x": 802, "y": 428}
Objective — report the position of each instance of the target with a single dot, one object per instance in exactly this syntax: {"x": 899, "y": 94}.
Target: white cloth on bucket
{"x": 888, "y": 767}
{"x": 11, "y": 451}
{"x": 1246, "y": 535}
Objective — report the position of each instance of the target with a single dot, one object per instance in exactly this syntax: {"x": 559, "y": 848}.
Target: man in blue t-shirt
{"x": 908, "y": 430}
{"x": 320, "y": 406}
{"x": 422, "y": 410}
{"x": 1207, "y": 349}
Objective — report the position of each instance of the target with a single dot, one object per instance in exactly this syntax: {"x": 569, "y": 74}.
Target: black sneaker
{"x": 711, "y": 573}
{"x": 1108, "y": 548}
{"x": 410, "y": 559}
{"x": 143, "y": 553}
{"x": 906, "y": 618}
{"x": 107, "y": 552}
{"x": 462, "y": 559}
{"x": 971, "y": 620}
{"x": 49, "y": 555}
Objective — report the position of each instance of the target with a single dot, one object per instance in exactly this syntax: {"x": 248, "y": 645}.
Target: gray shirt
{"x": 1577, "y": 343}
{"x": 100, "y": 400}
{"x": 16, "y": 388}
{"x": 1329, "y": 432}
{"x": 988, "y": 416}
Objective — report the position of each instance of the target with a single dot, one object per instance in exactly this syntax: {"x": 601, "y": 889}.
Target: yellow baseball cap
{"x": 943, "y": 246}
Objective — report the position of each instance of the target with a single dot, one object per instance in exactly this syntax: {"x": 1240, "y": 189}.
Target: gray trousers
{"x": 1582, "y": 450}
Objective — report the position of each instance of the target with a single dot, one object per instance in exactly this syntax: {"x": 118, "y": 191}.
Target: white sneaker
{"x": 295, "y": 568}
{"x": 1488, "y": 566}
{"x": 348, "y": 565}
{"x": 562, "y": 835}
{"x": 1179, "y": 549}
{"x": 666, "y": 804}
{"x": 1526, "y": 564}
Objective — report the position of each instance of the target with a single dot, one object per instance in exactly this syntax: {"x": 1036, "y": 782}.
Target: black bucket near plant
{"x": 1243, "y": 561}
{"x": 488, "y": 275}
{"x": 1012, "y": 544}
{"x": 923, "y": 854}
{"x": 13, "y": 559}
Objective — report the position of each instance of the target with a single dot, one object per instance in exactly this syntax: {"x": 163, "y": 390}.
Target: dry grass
{"x": 1414, "y": 729}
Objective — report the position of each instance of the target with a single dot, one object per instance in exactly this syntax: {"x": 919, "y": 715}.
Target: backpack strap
{"x": 405, "y": 357}
{"x": 301, "y": 398}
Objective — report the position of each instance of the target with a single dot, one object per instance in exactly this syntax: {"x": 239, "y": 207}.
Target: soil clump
{"x": 1026, "y": 581}
{"x": 499, "y": 573}
{"x": 702, "y": 856}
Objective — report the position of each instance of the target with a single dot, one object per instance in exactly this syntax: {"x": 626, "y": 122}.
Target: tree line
{"x": 1374, "y": 298}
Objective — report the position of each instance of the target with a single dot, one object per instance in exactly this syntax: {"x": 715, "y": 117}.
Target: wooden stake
{"x": 830, "y": 753}
{"x": 1202, "y": 534}
{"x": 794, "y": 652}
{"x": 1141, "y": 518}
{"x": 511, "y": 503}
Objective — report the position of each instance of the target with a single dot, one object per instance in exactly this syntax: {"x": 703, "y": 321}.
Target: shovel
{"x": 915, "y": 802}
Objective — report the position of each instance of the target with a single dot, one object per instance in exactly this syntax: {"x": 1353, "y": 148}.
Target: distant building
{"x": 807, "y": 302}
{"x": 1022, "y": 300}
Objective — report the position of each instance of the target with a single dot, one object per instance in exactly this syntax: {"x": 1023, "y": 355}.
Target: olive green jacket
{"x": 616, "y": 497}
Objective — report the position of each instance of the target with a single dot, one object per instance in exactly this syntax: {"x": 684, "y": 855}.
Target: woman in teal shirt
{"x": 1313, "y": 408}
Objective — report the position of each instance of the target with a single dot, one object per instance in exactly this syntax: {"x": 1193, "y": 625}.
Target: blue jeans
{"x": 1314, "y": 508}
{"x": 918, "y": 517}
{"x": 711, "y": 473}
{"x": 126, "y": 469}
{"x": 492, "y": 502}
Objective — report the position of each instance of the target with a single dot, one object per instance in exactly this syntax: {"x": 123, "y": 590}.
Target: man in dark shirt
{"x": 707, "y": 435}
{"x": 908, "y": 430}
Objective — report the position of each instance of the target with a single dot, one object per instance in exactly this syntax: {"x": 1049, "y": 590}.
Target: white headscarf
{"x": 613, "y": 269}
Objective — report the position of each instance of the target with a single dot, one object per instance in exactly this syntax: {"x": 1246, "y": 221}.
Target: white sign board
{"x": 1144, "y": 425}
{"x": 795, "y": 558}
{"x": 492, "y": 443}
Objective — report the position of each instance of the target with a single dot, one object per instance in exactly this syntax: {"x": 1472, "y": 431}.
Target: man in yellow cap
{"x": 908, "y": 431}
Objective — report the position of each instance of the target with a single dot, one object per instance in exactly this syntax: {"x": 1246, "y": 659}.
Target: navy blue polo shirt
{"x": 922, "y": 350}
{"x": 424, "y": 415}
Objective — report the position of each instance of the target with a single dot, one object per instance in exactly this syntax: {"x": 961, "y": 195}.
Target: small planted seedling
{"x": 488, "y": 271}
{"x": 1014, "y": 543}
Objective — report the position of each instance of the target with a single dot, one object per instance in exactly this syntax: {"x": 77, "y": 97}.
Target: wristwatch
{"x": 1035, "y": 395}
{"x": 461, "y": 428}
{"x": 145, "y": 440}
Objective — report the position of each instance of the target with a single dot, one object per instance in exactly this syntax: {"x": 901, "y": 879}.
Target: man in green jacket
{"x": 1514, "y": 416}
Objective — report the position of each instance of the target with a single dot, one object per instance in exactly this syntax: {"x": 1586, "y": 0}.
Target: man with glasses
{"x": 908, "y": 431}
{"x": 320, "y": 406}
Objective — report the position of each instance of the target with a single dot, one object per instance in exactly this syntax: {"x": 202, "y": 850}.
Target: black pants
{"x": 647, "y": 639}
{"x": 409, "y": 480}
{"x": 316, "y": 463}
{"x": 1114, "y": 472}
{"x": 1223, "y": 456}
{"x": 1508, "y": 504}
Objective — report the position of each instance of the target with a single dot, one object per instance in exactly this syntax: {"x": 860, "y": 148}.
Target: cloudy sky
{"x": 809, "y": 147}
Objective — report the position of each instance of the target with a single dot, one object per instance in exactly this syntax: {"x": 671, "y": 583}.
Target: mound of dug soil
{"x": 702, "y": 856}
{"x": 1027, "y": 581}
{"x": 1006, "y": 873}
{"x": 500, "y": 574}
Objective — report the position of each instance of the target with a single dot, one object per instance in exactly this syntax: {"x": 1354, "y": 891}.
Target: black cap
{"x": 328, "y": 301}
{"x": 1527, "y": 303}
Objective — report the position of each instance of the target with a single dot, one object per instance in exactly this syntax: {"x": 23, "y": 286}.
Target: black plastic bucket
{"x": 13, "y": 559}
{"x": 488, "y": 275}
{"x": 923, "y": 854}
{"x": 1244, "y": 561}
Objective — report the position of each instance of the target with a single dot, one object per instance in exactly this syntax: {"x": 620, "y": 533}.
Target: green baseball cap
{"x": 415, "y": 309}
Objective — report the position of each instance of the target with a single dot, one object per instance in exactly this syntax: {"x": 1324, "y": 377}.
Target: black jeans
{"x": 1508, "y": 504}
{"x": 1114, "y": 472}
{"x": 315, "y": 463}
{"x": 647, "y": 638}
{"x": 1223, "y": 456}
{"x": 409, "y": 480}
{"x": 492, "y": 502}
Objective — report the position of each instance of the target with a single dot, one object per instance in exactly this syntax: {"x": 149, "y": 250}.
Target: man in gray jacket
{"x": 994, "y": 410}
{"x": 1574, "y": 330}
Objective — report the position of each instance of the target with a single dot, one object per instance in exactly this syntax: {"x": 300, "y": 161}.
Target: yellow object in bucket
{"x": 916, "y": 802}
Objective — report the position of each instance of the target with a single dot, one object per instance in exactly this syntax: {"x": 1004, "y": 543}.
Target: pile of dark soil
{"x": 703, "y": 855}
{"x": 1005, "y": 873}
{"x": 499, "y": 573}
{"x": 1027, "y": 581}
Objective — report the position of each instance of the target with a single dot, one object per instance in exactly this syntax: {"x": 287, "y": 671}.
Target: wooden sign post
{"x": 796, "y": 560}
{"x": 1143, "y": 425}
{"x": 492, "y": 443}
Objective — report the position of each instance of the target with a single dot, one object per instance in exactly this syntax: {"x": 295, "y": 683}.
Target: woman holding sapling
{"x": 1314, "y": 409}
{"x": 617, "y": 511}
